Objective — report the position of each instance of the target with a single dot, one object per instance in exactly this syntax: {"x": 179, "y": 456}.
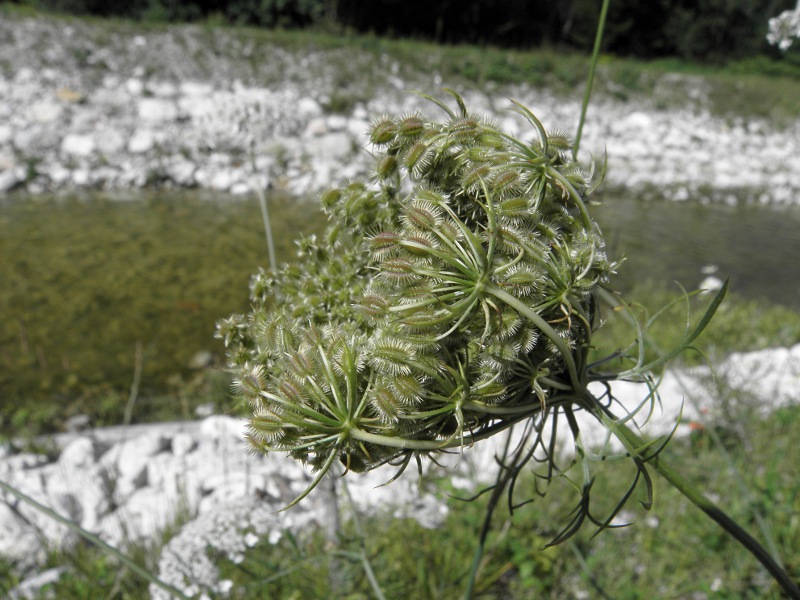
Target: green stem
{"x": 362, "y": 555}
{"x": 455, "y": 441}
{"x": 632, "y": 442}
{"x": 593, "y": 67}
{"x": 93, "y": 539}
{"x": 544, "y": 327}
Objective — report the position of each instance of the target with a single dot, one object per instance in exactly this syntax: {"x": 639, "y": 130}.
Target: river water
{"x": 758, "y": 247}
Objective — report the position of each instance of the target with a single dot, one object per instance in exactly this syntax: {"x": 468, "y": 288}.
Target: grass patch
{"x": 87, "y": 281}
{"x": 740, "y": 325}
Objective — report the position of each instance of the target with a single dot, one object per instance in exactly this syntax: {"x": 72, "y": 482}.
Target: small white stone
{"x": 316, "y": 127}
{"x": 157, "y": 110}
{"x": 183, "y": 444}
{"x": 141, "y": 142}
{"x": 81, "y": 177}
{"x": 336, "y": 123}
{"x": 45, "y": 112}
{"x": 135, "y": 87}
{"x": 79, "y": 453}
{"x": 75, "y": 144}
{"x": 5, "y": 133}
{"x": 308, "y": 108}
{"x": 222, "y": 180}
{"x": 110, "y": 142}
{"x": 195, "y": 88}
{"x": 240, "y": 189}
{"x": 8, "y": 180}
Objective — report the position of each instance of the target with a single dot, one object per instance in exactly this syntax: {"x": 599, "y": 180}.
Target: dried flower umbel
{"x": 451, "y": 297}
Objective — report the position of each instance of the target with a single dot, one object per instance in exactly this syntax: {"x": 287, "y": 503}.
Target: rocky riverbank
{"x": 131, "y": 483}
{"x": 109, "y": 106}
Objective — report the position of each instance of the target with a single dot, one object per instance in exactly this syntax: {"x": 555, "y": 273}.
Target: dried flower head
{"x": 431, "y": 318}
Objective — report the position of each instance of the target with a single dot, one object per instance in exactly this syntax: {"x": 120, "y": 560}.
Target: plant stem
{"x": 632, "y": 442}
{"x": 262, "y": 202}
{"x": 587, "y": 94}
{"x": 362, "y": 555}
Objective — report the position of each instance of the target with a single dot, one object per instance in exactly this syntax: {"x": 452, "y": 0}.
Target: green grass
{"x": 673, "y": 551}
{"x": 86, "y": 282}
{"x": 739, "y": 325}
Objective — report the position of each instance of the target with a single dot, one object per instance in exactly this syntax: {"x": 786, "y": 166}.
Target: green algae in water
{"x": 84, "y": 281}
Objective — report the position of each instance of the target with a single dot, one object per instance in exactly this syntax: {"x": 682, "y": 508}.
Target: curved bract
{"x": 453, "y": 295}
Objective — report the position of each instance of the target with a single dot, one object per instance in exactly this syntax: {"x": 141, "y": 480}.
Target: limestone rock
{"x": 79, "y": 145}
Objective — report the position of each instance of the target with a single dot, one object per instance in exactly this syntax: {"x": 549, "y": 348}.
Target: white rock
{"x": 195, "y": 88}
{"x": 197, "y": 107}
{"x": 157, "y": 110}
{"x": 142, "y": 141}
{"x": 80, "y": 145}
{"x": 9, "y": 180}
{"x": 6, "y": 133}
{"x": 81, "y": 453}
{"x": 219, "y": 430}
{"x": 18, "y": 540}
{"x": 134, "y": 87}
{"x": 316, "y": 127}
{"x": 638, "y": 121}
{"x": 126, "y": 463}
{"x": 163, "y": 89}
{"x": 240, "y": 189}
{"x": 333, "y": 146}
{"x": 81, "y": 177}
{"x": 59, "y": 174}
{"x": 110, "y": 141}
{"x": 222, "y": 180}
{"x": 307, "y": 108}
{"x": 182, "y": 444}
{"x": 336, "y": 122}
{"x": 181, "y": 171}
{"x": 31, "y": 587}
{"x": 46, "y": 112}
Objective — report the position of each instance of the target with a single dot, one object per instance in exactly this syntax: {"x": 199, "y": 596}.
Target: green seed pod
{"x": 383, "y": 131}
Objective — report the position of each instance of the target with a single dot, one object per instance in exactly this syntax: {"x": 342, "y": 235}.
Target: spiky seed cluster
{"x": 429, "y": 319}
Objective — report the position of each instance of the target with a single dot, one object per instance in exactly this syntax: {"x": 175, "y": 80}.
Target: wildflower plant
{"x": 784, "y": 28}
{"x": 453, "y": 296}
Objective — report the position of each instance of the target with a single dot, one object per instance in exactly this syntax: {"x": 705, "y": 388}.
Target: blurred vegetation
{"x": 713, "y": 31}
{"x": 90, "y": 281}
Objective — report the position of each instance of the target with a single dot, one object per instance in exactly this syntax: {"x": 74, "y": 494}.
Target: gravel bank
{"x": 109, "y": 106}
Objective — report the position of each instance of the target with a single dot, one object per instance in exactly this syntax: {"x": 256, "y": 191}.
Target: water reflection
{"x": 756, "y": 246}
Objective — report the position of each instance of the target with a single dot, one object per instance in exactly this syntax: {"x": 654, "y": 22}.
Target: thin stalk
{"x": 373, "y": 581}
{"x": 137, "y": 378}
{"x": 494, "y": 500}
{"x": 633, "y": 442}
{"x": 262, "y": 202}
{"x": 93, "y": 539}
{"x": 590, "y": 80}
{"x": 544, "y": 327}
